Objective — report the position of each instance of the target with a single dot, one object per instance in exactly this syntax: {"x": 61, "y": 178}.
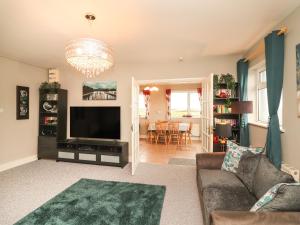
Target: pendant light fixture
{"x": 89, "y": 56}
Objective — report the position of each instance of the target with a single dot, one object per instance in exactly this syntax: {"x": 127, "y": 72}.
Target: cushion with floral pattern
{"x": 234, "y": 154}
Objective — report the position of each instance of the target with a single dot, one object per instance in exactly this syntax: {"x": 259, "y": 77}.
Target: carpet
{"x": 91, "y": 202}
{"x": 182, "y": 162}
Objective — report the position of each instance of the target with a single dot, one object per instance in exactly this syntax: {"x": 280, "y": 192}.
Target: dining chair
{"x": 174, "y": 134}
{"x": 151, "y": 134}
{"x": 189, "y": 132}
{"x": 161, "y": 132}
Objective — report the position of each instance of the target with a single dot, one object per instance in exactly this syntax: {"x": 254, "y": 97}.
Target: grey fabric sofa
{"x": 225, "y": 200}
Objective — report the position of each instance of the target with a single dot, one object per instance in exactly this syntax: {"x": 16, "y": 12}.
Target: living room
{"x": 154, "y": 40}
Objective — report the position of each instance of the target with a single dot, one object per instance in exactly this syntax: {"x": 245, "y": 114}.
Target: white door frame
{"x": 134, "y": 109}
{"x": 207, "y": 114}
{"x": 134, "y": 125}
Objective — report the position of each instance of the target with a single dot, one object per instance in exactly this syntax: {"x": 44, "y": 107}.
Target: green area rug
{"x": 91, "y": 202}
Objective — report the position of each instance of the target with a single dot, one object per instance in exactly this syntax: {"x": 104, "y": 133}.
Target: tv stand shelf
{"x": 110, "y": 153}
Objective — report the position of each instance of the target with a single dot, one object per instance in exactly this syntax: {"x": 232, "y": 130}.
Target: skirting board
{"x": 18, "y": 162}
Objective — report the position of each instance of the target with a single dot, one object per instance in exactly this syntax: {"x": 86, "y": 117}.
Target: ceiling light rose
{"x": 89, "y": 56}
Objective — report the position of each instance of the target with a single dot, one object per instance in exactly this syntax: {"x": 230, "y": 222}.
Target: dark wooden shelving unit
{"x": 227, "y": 116}
{"x": 52, "y": 121}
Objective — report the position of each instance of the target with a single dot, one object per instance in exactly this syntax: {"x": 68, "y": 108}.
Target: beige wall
{"x": 72, "y": 81}
{"x": 291, "y": 123}
{"x": 18, "y": 138}
{"x": 158, "y": 104}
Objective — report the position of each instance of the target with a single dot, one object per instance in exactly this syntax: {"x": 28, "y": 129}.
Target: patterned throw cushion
{"x": 281, "y": 197}
{"x": 234, "y": 154}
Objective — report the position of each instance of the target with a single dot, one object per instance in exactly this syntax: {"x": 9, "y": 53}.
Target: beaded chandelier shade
{"x": 88, "y": 55}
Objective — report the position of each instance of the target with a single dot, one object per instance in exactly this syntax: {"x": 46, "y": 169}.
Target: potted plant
{"x": 216, "y": 81}
{"x": 228, "y": 79}
{"x": 228, "y": 105}
{"x": 52, "y": 87}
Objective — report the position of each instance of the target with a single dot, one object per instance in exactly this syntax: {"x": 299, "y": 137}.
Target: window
{"x": 185, "y": 104}
{"x": 262, "y": 99}
{"x": 142, "y": 108}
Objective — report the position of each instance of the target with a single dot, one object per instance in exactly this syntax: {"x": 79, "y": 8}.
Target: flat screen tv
{"x": 95, "y": 122}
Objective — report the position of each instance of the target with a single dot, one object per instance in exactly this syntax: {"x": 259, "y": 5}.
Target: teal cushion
{"x": 234, "y": 154}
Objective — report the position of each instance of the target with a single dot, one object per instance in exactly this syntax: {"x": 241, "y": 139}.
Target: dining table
{"x": 182, "y": 127}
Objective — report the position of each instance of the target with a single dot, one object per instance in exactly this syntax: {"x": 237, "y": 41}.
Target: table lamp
{"x": 242, "y": 107}
{"x": 224, "y": 131}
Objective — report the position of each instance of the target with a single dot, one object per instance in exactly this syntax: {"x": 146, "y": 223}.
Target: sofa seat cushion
{"x": 235, "y": 199}
{"x": 223, "y": 190}
{"x": 218, "y": 179}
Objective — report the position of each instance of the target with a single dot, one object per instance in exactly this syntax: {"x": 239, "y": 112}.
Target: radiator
{"x": 196, "y": 130}
{"x": 291, "y": 170}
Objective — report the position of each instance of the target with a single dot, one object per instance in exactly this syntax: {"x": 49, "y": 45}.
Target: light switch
{"x": 1, "y": 110}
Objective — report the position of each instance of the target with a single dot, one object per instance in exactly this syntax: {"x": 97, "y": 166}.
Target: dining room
{"x": 170, "y": 122}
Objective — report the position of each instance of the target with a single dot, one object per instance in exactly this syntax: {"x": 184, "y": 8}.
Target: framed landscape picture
{"x": 298, "y": 77}
{"x": 106, "y": 90}
{"x": 22, "y": 106}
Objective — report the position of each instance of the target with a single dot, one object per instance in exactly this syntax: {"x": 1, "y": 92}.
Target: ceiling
{"x": 139, "y": 31}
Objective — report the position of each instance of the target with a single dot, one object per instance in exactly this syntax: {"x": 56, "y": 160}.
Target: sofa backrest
{"x": 267, "y": 175}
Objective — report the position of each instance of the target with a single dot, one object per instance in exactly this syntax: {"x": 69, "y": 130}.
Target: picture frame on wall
{"x": 298, "y": 78}
{"x": 22, "y": 103}
{"x": 104, "y": 90}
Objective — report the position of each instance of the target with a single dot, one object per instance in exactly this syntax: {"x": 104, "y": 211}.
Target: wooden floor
{"x": 160, "y": 153}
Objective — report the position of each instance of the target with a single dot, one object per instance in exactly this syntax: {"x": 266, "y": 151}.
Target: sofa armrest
{"x": 255, "y": 218}
{"x": 211, "y": 161}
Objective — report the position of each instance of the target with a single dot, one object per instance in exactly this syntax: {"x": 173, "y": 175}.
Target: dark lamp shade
{"x": 223, "y": 130}
{"x": 242, "y": 107}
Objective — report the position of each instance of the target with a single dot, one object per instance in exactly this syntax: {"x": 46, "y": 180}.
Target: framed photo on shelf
{"x": 22, "y": 103}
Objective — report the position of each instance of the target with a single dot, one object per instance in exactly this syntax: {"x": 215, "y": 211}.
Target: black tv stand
{"x": 110, "y": 153}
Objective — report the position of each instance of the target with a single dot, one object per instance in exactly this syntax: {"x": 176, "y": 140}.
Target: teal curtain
{"x": 274, "y": 50}
{"x": 242, "y": 75}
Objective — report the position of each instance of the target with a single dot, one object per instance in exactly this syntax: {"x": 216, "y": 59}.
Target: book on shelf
{"x": 232, "y": 122}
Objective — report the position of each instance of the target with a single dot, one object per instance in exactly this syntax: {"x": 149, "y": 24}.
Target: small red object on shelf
{"x": 216, "y": 139}
{"x": 223, "y": 95}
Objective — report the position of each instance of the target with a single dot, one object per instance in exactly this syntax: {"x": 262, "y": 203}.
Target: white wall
{"x": 291, "y": 123}
{"x": 18, "y": 138}
{"x": 72, "y": 81}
